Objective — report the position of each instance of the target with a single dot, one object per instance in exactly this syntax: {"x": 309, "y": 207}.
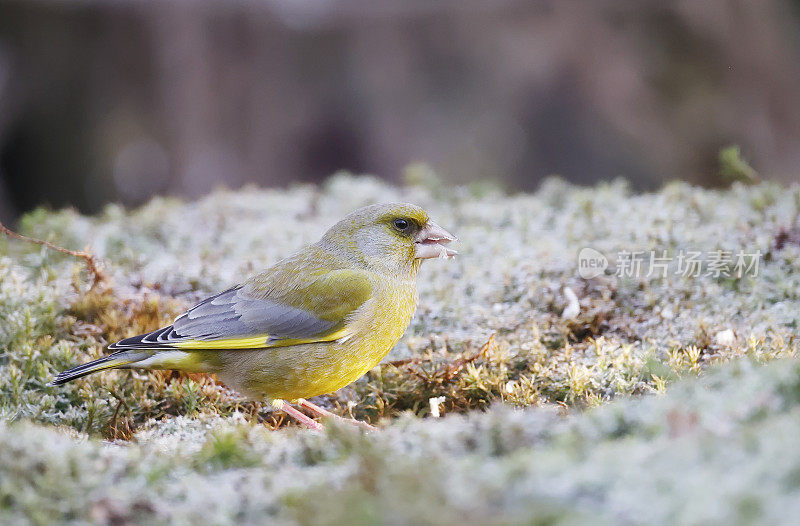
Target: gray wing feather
{"x": 234, "y": 313}
{"x": 230, "y": 314}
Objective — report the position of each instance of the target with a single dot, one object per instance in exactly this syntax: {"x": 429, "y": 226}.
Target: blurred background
{"x": 105, "y": 101}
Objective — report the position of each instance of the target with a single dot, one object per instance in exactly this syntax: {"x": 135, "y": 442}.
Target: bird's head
{"x": 392, "y": 237}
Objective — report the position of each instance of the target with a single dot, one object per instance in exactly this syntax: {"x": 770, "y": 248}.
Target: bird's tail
{"x": 112, "y": 361}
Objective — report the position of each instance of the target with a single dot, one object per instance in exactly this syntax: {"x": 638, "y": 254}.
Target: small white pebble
{"x": 725, "y": 338}
{"x": 667, "y": 314}
{"x": 573, "y": 307}
{"x": 435, "y": 402}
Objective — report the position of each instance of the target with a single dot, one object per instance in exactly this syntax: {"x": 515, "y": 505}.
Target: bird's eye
{"x": 400, "y": 224}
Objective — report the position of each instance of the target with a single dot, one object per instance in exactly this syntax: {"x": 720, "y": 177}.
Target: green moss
{"x": 732, "y": 167}
{"x": 226, "y": 449}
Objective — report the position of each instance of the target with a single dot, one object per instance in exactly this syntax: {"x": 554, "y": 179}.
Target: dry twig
{"x": 91, "y": 260}
{"x": 455, "y": 367}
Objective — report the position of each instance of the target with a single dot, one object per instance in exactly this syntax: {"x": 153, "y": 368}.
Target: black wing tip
{"x": 148, "y": 340}
{"x": 127, "y": 343}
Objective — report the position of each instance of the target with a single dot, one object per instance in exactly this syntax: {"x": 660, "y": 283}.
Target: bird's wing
{"x": 256, "y": 316}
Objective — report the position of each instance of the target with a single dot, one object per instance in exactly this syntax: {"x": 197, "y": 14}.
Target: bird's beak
{"x": 430, "y": 242}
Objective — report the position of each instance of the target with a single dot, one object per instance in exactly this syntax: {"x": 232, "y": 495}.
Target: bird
{"x": 309, "y": 325}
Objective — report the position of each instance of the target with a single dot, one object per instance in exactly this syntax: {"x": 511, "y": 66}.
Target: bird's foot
{"x": 314, "y": 408}
{"x": 298, "y": 415}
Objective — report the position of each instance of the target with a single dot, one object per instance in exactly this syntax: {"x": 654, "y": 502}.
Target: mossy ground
{"x": 490, "y": 335}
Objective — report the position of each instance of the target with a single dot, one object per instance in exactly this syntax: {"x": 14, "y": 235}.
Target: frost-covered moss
{"x": 518, "y": 257}
{"x": 720, "y": 449}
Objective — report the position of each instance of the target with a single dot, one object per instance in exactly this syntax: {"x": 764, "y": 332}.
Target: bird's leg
{"x": 297, "y": 415}
{"x": 314, "y": 408}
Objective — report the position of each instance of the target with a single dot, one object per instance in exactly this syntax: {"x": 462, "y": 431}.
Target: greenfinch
{"x": 309, "y": 325}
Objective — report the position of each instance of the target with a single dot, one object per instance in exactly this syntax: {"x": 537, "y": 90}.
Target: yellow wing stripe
{"x": 251, "y": 342}
{"x": 254, "y": 342}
